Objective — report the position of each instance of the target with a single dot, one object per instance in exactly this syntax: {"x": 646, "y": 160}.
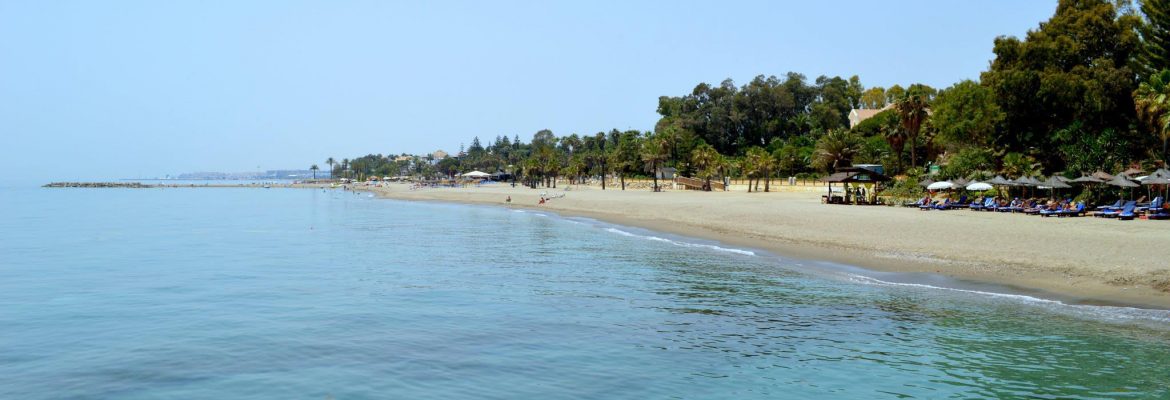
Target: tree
{"x": 874, "y": 98}
{"x": 600, "y": 156}
{"x": 330, "y": 161}
{"x": 965, "y": 114}
{"x": 762, "y": 165}
{"x": 1073, "y": 68}
{"x": 345, "y": 167}
{"x": 654, "y": 153}
{"x": 836, "y": 149}
{"x": 627, "y": 154}
{"x": 706, "y": 161}
{"x": 1152, "y": 103}
{"x": 912, "y": 112}
{"x": 314, "y": 168}
{"x": 749, "y": 166}
{"x": 1154, "y": 54}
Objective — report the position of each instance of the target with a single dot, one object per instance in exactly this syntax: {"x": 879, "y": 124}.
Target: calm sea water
{"x": 287, "y": 294}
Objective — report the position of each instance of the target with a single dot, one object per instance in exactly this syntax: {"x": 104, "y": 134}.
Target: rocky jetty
{"x": 127, "y": 185}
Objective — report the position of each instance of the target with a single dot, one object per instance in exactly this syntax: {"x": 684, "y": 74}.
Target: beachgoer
{"x": 508, "y": 200}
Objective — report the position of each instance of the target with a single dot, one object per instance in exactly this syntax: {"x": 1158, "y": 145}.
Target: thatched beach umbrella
{"x": 1159, "y": 177}
{"x": 1133, "y": 171}
{"x": 960, "y": 182}
{"x": 1053, "y": 183}
{"x": 925, "y": 182}
{"x": 1122, "y": 181}
{"x": 999, "y": 181}
{"x": 1090, "y": 179}
{"x": 1102, "y": 175}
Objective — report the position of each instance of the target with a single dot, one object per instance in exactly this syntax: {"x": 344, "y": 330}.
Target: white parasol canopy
{"x": 979, "y": 186}
{"x": 476, "y": 174}
{"x": 940, "y": 185}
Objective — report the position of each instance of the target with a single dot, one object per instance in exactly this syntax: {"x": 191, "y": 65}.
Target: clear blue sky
{"x": 110, "y": 89}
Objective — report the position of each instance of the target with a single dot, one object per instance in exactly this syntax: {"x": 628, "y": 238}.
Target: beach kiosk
{"x": 858, "y": 186}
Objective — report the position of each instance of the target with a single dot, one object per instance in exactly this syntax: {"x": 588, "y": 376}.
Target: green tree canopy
{"x": 1074, "y": 67}
{"x": 965, "y": 114}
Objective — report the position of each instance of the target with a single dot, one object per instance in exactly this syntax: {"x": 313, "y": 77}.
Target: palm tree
{"x": 760, "y": 164}
{"x": 550, "y": 164}
{"x": 705, "y": 159}
{"x": 896, "y": 137}
{"x": 330, "y": 161}
{"x": 576, "y": 169}
{"x": 619, "y": 161}
{"x": 1152, "y": 104}
{"x": 345, "y": 167}
{"x": 654, "y": 153}
{"x": 600, "y": 156}
{"x": 835, "y": 149}
{"x": 913, "y": 112}
{"x": 314, "y": 168}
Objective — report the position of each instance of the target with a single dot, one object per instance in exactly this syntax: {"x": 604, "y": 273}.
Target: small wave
{"x": 1117, "y": 313}
{"x": 682, "y": 244}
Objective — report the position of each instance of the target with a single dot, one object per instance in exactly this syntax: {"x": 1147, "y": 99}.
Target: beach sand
{"x": 1078, "y": 260}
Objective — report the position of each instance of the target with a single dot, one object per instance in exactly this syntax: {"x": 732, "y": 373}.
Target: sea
{"x": 250, "y": 293}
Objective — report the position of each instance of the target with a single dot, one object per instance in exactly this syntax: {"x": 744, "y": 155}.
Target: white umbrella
{"x": 476, "y": 174}
{"x": 979, "y": 186}
{"x": 940, "y": 185}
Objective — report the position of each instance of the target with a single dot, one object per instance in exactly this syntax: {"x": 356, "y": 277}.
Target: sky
{"x": 94, "y": 90}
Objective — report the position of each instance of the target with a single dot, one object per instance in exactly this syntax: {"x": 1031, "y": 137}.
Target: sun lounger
{"x": 1114, "y": 207}
{"x": 1159, "y": 214}
{"x": 1114, "y": 213}
{"x": 987, "y": 202}
{"x": 1154, "y": 205}
{"x": 1127, "y": 213}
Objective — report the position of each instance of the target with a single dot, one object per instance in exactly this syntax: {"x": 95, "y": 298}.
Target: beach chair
{"x": 1160, "y": 213}
{"x": 1154, "y": 205}
{"x": 1127, "y": 212}
{"x": 962, "y": 203}
{"x": 987, "y": 202}
{"x": 1076, "y": 212}
{"x": 1115, "y": 206}
{"x": 946, "y": 204}
{"x": 921, "y": 202}
{"x": 1113, "y": 213}
{"x": 1015, "y": 206}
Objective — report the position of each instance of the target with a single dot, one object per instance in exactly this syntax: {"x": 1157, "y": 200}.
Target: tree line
{"x": 1087, "y": 90}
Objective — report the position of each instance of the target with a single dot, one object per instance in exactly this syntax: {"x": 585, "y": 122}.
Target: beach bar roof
{"x": 855, "y": 175}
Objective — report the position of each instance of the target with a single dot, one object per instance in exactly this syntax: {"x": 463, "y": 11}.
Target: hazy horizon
{"x": 144, "y": 89}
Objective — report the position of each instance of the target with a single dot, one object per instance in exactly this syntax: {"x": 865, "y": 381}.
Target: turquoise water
{"x": 284, "y": 294}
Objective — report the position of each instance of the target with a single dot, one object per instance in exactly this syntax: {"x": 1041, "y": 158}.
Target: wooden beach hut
{"x": 860, "y": 186}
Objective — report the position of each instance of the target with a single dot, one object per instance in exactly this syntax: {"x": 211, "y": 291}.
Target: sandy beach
{"x": 1085, "y": 260}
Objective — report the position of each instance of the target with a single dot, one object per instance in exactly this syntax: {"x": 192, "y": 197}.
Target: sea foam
{"x": 682, "y": 244}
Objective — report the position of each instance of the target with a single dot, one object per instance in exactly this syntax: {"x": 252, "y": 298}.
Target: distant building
{"x": 439, "y": 155}
{"x": 403, "y": 158}
{"x": 858, "y": 115}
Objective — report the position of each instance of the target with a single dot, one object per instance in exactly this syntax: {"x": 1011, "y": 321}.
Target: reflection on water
{"x": 308, "y": 294}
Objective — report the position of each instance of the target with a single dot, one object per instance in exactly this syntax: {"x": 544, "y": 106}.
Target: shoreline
{"x": 1077, "y": 261}
{"x": 1083, "y": 285}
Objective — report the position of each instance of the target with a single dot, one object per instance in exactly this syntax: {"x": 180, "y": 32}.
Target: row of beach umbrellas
{"x": 1123, "y": 180}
